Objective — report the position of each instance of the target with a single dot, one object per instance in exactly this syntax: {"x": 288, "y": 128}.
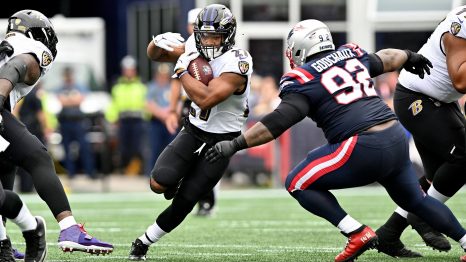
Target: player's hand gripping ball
{"x": 201, "y": 70}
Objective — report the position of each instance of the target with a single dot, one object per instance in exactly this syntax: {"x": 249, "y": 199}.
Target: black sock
{"x": 424, "y": 183}
{"x": 394, "y": 226}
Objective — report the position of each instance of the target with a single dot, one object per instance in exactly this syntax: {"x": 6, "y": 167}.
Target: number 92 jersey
{"x": 438, "y": 84}
{"x": 25, "y": 45}
{"x": 340, "y": 92}
{"x": 229, "y": 115}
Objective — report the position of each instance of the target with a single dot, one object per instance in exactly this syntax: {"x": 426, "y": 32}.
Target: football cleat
{"x": 17, "y": 254}
{"x": 138, "y": 250}
{"x": 395, "y": 248}
{"x": 205, "y": 209}
{"x": 36, "y": 246}
{"x": 431, "y": 237}
{"x": 6, "y": 252}
{"x": 359, "y": 241}
{"x": 75, "y": 238}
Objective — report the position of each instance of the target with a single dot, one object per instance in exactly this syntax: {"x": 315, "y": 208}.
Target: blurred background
{"x": 102, "y": 49}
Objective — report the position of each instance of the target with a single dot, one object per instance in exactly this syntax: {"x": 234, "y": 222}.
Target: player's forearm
{"x": 458, "y": 78}
{"x": 392, "y": 59}
{"x": 258, "y": 135}
{"x": 197, "y": 91}
{"x": 158, "y": 54}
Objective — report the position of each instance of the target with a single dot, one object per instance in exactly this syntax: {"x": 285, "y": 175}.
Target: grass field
{"x": 248, "y": 225}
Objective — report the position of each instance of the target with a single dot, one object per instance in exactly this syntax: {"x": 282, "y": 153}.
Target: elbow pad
{"x": 14, "y": 71}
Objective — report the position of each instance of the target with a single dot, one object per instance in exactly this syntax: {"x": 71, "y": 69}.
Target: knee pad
{"x": 165, "y": 176}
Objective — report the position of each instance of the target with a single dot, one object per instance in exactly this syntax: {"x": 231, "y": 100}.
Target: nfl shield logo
{"x": 243, "y": 67}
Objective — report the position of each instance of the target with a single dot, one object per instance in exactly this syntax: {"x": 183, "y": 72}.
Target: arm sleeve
{"x": 375, "y": 65}
{"x": 293, "y": 108}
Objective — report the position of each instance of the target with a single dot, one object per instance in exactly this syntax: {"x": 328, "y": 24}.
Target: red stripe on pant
{"x": 325, "y": 164}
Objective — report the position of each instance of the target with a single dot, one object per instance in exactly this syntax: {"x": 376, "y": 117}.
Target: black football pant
{"x": 182, "y": 160}
{"x": 26, "y": 151}
{"x": 439, "y": 133}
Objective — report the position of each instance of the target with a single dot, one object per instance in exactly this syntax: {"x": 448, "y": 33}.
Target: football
{"x": 200, "y": 69}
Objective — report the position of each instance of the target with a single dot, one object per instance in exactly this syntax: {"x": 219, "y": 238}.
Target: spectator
{"x": 128, "y": 106}
{"x": 157, "y": 103}
{"x": 73, "y": 124}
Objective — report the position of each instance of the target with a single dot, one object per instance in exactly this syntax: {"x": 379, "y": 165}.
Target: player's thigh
{"x": 334, "y": 166}
{"x": 403, "y": 186}
{"x": 175, "y": 160}
{"x": 23, "y": 144}
{"x": 438, "y": 127}
{"x": 202, "y": 178}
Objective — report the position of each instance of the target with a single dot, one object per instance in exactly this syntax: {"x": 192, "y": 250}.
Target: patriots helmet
{"x": 307, "y": 37}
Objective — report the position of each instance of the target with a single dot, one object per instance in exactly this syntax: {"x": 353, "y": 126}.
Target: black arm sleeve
{"x": 293, "y": 108}
{"x": 14, "y": 70}
{"x": 375, "y": 65}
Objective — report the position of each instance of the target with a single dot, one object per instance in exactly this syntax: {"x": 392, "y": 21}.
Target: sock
{"x": 463, "y": 242}
{"x": 394, "y": 226}
{"x": 400, "y": 211}
{"x": 25, "y": 220}
{"x": 152, "y": 234}
{"x": 67, "y": 222}
{"x": 437, "y": 195}
{"x": 348, "y": 224}
{"x": 2, "y": 230}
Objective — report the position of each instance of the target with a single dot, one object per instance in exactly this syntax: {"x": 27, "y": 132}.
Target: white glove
{"x": 182, "y": 64}
{"x": 168, "y": 40}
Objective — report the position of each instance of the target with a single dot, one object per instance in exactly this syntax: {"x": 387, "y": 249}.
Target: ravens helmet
{"x": 307, "y": 37}
{"x": 35, "y": 25}
{"x": 218, "y": 22}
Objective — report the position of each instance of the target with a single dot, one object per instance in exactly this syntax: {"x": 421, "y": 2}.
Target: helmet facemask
{"x": 214, "y": 31}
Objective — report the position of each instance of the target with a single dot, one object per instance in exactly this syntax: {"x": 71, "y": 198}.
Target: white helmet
{"x": 307, "y": 37}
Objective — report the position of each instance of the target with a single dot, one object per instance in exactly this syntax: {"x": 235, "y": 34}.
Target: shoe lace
{"x": 81, "y": 228}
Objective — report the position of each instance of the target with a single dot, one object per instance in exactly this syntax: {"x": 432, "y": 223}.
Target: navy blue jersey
{"x": 340, "y": 91}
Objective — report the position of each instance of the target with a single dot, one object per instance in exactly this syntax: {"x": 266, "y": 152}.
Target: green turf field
{"x": 248, "y": 225}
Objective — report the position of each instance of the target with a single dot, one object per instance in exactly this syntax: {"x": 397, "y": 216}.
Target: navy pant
{"x": 360, "y": 160}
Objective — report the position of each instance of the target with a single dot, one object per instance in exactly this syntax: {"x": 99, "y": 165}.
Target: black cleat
{"x": 396, "y": 249}
{"x": 431, "y": 237}
{"x": 205, "y": 210}
{"x": 36, "y": 247}
{"x": 6, "y": 252}
{"x": 138, "y": 250}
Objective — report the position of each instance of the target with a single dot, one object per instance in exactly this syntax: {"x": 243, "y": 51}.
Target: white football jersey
{"x": 229, "y": 115}
{"x": 438, "y": 84}
{"x": 25, "y": 45}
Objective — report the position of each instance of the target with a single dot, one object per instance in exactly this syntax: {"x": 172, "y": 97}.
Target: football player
{"x": 218, "y": 112}
{"x": 429, "y": 110}
{"x": 31, "y": 43}
{"x": 207, "y": 203}
{"x": 366, "y": 143}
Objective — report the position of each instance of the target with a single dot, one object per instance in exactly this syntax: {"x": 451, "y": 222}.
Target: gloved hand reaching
{"x": 417, "y": 64}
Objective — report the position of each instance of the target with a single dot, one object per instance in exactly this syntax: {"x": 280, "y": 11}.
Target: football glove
{"x": 168, "y": 40}
{"x": 417, "y": 64}
{"x": 182, "y": 64}
{"x": 5, "y": 49}
{"x": 225, "y": 149}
